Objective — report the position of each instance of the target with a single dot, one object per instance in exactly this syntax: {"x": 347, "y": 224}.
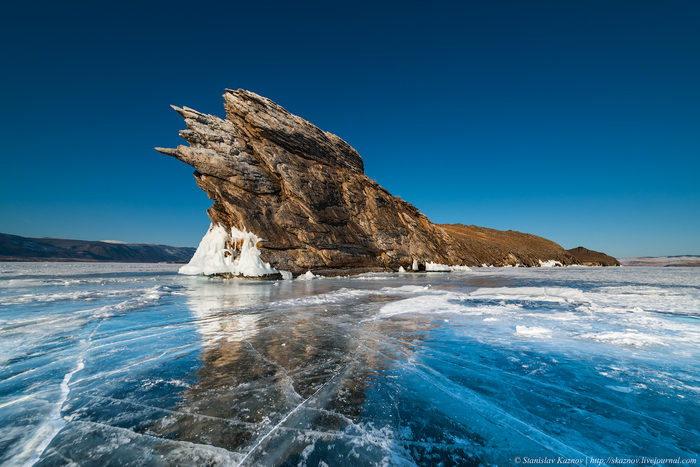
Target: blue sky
{"x": 576, "y": 121}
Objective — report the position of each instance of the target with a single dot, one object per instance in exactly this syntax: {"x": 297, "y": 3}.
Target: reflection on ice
{"x": 474, "y": 368}
{"x": 296, "y": 367}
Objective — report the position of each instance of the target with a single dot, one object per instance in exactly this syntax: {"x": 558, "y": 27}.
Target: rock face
{"x": 480, "y": 245}
{"x": 304, "y": 192}
{"x": 593, "y": 258}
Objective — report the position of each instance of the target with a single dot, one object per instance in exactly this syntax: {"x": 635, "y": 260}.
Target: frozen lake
{"x": 127, "y": 364}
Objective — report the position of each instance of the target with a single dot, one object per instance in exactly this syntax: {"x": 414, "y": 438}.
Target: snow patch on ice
{"x": 423, "y": 304}
{"x": 307, "y": 277}
{"x": 402, "y": 270}
{"x": 371, "y": 276}
{"x": 286, "y": 275}
{"x": 623, "y": 389}
{"x": 435, "y": 267}
{"x": 624, "y": 339}
{"x": 336, "y": 296}
{"x": 534, "y": 331}
{"x": 557, "y": 294}
{"x": 549, "y": 264}
{"x": 406, "y": 289}
{"x": 308, "y": 450}
{"x": 367, "y": 437}
{"x": 213, "y": 256}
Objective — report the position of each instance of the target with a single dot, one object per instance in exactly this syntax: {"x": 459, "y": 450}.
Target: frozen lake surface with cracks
{"x": 135, "y": 365}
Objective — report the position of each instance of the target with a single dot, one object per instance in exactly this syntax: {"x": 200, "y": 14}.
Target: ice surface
{"x": 549, "y": 264}
{"x": 117, "y": 364}
{"x": 435, "y": 267}
{"x": 213, "y": 256}
{"x": 523, "y": 293}
{"x": 307, "y": 276}
{"x": 534, "y": 331}
{"x": 633, "y": 338}
{"x": 286, "y": 275}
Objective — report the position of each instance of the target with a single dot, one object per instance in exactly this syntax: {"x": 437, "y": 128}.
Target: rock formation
{"x": 593, "y": 258}
{"x": 303, "y": 191}
{"x": 480, "y": 245}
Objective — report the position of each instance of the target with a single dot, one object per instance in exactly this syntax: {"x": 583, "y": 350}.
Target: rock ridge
{"x": 304, "y": 192}
{"x": 593, "y": 258}
{"x": 17, "y": 248}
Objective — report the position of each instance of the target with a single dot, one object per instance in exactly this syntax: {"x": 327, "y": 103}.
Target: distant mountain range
{"x": 16, "y": 248}
{"x": 663, "y": 261}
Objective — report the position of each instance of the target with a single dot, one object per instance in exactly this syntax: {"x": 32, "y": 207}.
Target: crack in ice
{"x": 291, "y": 384}
{"x": 55, "y": 416}
{"x": 351, "y": 359}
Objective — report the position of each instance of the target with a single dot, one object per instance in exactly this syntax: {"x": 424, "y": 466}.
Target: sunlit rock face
{"x": 593, "y": 258}
{"x": 304, "y": 192}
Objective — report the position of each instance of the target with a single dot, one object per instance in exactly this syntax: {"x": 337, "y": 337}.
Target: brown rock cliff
{"x": 593, "y": 258}
{"x": 305, "y": 193}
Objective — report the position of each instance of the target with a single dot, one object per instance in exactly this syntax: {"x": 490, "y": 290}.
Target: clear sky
{"x": 575, "y": 120}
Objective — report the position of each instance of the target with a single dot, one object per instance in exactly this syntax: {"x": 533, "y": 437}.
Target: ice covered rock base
{"x": 231, "y": 253}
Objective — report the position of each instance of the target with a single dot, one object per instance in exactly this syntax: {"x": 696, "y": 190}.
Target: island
{"x": 290, "y": 198}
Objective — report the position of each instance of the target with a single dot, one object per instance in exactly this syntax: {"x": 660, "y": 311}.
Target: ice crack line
{"x": 248, "y": 425}
{"x": 482, "y": 406}
{"x": 157, "y": 439}
{"x": 176, "y": 351}
{"x": 350, "y": 359}
{"x": 270, "y": 362}
{"x": 555, "y": 387}
{"x": 55, "y": 416}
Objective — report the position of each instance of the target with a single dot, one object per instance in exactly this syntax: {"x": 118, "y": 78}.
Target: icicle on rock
{"x": 213, "y": 256}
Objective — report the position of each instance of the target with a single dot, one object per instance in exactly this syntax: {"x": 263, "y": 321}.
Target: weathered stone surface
{"x": 480, "y": 245}
{"x": 593, "y": 258}
{"x": 305, "y": 193}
